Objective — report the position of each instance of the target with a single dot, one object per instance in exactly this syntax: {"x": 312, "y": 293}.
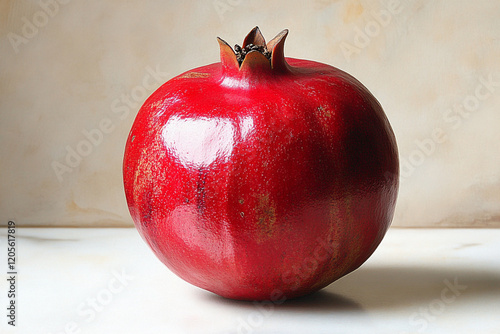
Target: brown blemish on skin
{"x": 145, "y": 170}
{"x": 194, "y": 75}
{"x": 324, "y": 112}
{"x": 155, "y": 105}
{"x": 324, "y": 116}
{"x": 201, "y": 191}
{"x": 265, "y": 214}
{"x": 344, "y": 238}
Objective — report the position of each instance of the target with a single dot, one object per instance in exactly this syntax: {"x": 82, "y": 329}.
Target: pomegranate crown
{"x": 255, "y": 52}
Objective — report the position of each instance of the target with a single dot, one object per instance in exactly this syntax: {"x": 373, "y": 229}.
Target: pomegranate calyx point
{"x": 254, "y": 42}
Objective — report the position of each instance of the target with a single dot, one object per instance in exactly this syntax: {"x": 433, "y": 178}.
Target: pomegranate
{"x": 261, "y": 177}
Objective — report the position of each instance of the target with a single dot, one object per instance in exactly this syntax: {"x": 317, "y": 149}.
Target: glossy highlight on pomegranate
{"x": 261, "y": 177}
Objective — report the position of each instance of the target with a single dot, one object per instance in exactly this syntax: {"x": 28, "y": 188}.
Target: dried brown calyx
{"x": 255, "y": 52}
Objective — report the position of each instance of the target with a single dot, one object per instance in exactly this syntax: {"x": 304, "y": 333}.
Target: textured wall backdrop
{"x": 73, "y": 74}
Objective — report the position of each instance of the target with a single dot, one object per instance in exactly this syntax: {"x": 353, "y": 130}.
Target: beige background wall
{"x": 70, "y": 67}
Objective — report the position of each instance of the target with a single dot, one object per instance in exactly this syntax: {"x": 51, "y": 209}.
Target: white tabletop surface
{"x": 108, "y": 281}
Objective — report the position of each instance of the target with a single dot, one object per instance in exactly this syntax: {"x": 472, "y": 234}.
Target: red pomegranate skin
{"x": 265, "y": 181}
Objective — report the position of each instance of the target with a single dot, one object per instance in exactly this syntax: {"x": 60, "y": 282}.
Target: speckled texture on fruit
{"x": 262, "y": 180}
